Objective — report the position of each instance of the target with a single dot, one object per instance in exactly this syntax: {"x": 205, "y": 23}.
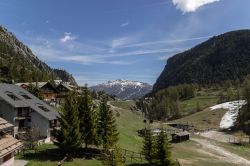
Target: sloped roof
{"x": 39, "y": 84}
{"x": 66, "y": 86}
{"x": 182, "y": 133}
{"x": 8, "y": 144}
{"x": 4, "y": 124}
{"x": 33, "y": 102}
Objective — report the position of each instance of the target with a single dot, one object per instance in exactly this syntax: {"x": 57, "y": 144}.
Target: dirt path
{"x": 217, "y": 135}
{"x": 211, "y": 148}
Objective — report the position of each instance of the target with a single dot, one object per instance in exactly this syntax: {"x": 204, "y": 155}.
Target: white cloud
{"x": 119, "y": 42}
{"x": 68, "y": 36}
{"x": 125, "y": 24}
{"x": 191, "y": 5}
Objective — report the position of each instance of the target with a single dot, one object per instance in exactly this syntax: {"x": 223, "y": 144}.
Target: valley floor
{"x": 208, "y": 148}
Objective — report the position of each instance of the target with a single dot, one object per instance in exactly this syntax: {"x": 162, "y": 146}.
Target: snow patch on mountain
{"x": 231, "y": 115}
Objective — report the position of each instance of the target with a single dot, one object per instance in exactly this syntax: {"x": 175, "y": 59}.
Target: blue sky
{"x": 100, "y": 40}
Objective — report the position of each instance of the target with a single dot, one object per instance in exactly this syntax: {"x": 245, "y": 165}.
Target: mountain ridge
{"x": 124, "y": 89}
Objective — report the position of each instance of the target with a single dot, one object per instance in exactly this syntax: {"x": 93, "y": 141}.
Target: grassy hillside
{"x": 205, "y": 119}
{"x": 202, "y": 100}
{"x": 123, "y": 104}
{"x": 128, "y": 123}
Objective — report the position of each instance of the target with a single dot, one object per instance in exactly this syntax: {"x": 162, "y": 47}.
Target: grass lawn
{"x": 44, "y": 157}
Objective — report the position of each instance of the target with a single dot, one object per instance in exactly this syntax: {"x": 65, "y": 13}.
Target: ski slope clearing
{"x": 230, "y": 116}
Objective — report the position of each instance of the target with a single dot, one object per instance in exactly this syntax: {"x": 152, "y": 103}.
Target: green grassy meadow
{"x": 203, "y": 99}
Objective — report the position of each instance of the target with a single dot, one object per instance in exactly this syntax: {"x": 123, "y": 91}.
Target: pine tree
{"x": 87, "y": 117}
{"x": 113, "y": 157}
{"x": 148, "y": 146}
{"x": 162, "y": 154}
{"x": 35, "y": 91}
{"x": 69, "y": 137}
{"x": 107, "y": 129}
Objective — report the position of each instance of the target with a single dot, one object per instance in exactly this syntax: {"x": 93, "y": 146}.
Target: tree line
{"x": 82, "y": 124}
{"x": 165, "y": 103}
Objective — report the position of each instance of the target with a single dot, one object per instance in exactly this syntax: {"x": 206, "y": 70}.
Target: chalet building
{"x": 63, "y": 91}
{"x": 26, "y": 111}
{"x": 48, "y": 91}
{"x": 180, "y": 137}
{"x": 8, "y": 144}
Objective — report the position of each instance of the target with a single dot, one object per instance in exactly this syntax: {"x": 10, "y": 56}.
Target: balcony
{"x": 22, "y": 116}
{"x": 23, "y": 129}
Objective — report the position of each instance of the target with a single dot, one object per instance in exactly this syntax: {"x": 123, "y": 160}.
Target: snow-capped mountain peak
{"x": 124, "y": 89}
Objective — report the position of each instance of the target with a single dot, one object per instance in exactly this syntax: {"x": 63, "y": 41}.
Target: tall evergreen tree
{"x": 68, "y": 136}
{"x": 148, "y": 146}
{"x": 113, "y": 157}
{"x": 87, "y": 117}
{"x": 107, "y": 129}
{"x": 162, "y": 153}
{"x": 35, "y": 91}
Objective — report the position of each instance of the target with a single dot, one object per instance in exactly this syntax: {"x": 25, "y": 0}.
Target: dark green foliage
{"x": 148, "y": 146}
{"x": 87, "y": 117}
{"x": 165, "y": 103}
{"x": 156, "y": 149}
{"x": 112, "y": 157}
{"x": 17, "y": 68}
{"x": 35, "y": 91}
{"x": 162, "y": 151}
{"x": 107, "y": 129}
{"x": 69, "y": 136}
{"x": 221, "y": 58}
{"x": 244, "y": 114}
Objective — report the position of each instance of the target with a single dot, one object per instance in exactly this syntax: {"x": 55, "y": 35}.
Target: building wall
{"x": 10, "y": 162}
{"x": 40, "y": 123}
{"x": 49, "y": 96}
{"x": 7, "y": 112}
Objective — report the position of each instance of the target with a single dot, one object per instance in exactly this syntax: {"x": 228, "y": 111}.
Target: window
{"x": 24, "y": 95}
{"x": 11, "y": 95}
{"x": 43, "y": 108}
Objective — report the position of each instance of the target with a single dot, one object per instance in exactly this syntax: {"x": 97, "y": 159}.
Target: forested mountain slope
{"x": 223, "y": 57}
{"x": 18, "y": 63}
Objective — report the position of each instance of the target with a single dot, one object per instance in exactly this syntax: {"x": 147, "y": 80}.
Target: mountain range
{"x": 124, "y": 89}
{"x": 221, "y": 58}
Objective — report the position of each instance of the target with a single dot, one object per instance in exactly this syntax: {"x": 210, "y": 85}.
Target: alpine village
{"x": 195, "y": 113}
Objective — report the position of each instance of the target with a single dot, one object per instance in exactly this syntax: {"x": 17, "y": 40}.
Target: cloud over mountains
{"x": 191, "y": 5}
